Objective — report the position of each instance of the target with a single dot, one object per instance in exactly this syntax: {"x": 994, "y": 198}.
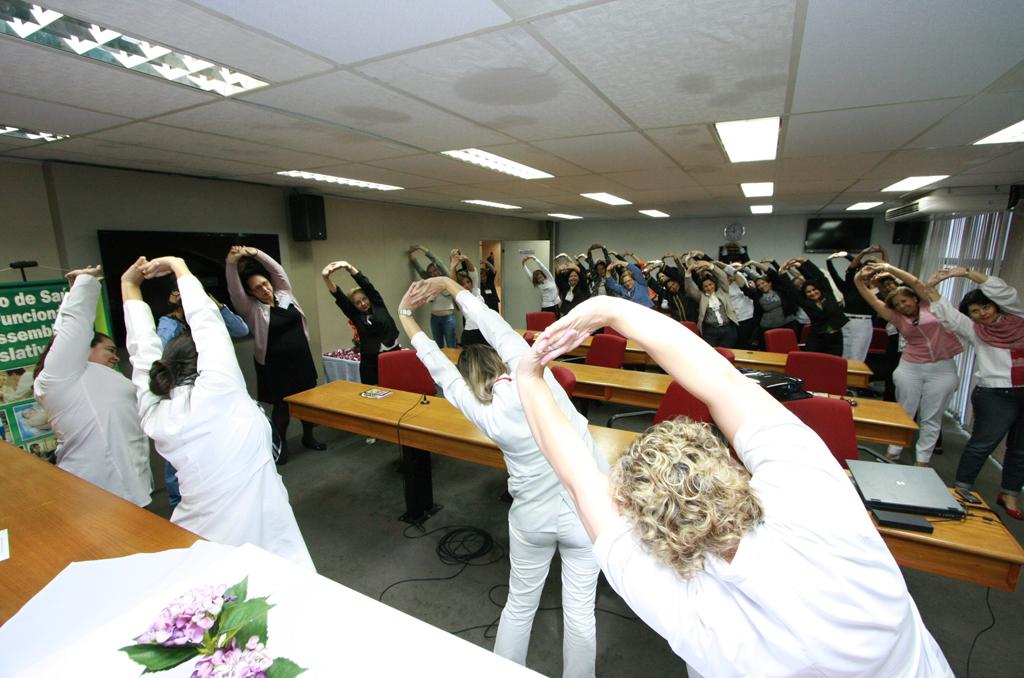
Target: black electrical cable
{"x": 992, "y": 615}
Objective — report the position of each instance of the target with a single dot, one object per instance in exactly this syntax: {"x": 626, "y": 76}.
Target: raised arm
{"x": 498, "y": 333}
{"x": 861, "y": 281}
{"x": 340, "y": 298}
{"x": 240, "y": 299}
{"x": 236, "y": 325}
{"x": 73, "y": 329}
{"x": 144, "y": 346}
{"x": 924, "y": 291}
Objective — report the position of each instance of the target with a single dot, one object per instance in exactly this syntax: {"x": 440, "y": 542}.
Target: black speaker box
{"x": 909, "y": 232}
{"x": 307, "y": 217}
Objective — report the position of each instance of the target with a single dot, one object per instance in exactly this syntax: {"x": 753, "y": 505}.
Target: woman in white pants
{"x": 926, "y": 376}
{"x": 542, "y": 517}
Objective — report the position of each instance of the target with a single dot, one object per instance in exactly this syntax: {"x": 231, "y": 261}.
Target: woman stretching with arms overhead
{"x": 193, "y": 404}
{"x": 542, "y": 516}
{"x": 769, "y": 568}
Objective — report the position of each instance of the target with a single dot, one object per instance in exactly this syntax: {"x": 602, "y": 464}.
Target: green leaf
{"x": 284, "y": 668}
{"x": 158, "y": 657}
{"x": 245, "y": 620}
{"x": 238, "y": 590}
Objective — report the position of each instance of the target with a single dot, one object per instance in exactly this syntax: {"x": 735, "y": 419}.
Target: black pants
{"x": 470, "y": 337}
{"x": 280, "y": 418}
{"x": 745, "y": 333}
{"x": 720, "y": 335}
{"x": 825, "y": 343}
{"x": 998, "y": 412}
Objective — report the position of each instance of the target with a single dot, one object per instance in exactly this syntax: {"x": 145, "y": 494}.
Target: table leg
{"x": 419, "y": 490}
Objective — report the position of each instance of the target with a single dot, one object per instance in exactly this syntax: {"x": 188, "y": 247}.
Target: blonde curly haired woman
{"x": 768, "y": 568}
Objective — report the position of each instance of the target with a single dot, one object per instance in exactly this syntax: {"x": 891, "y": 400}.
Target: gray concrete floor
{"x": 348, "y": 498}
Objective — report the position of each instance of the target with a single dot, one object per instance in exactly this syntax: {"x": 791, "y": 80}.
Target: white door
{"x": 518, "y": 295}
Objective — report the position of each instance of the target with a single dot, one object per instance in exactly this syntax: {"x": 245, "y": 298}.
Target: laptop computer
{"x": 910, "y": 489}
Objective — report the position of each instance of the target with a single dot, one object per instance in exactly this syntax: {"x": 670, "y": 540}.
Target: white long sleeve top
{"x": 537, "y": 493}
{"x": 549, "y": 288}
{"x": 215, "y": 435}
{"x": 91, "y": 406}
{"x": 991, "y": 365}
{"x": 468, "y": 322}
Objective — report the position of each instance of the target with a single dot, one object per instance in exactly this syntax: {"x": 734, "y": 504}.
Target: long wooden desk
{"x": 973, "y": 550}
{"x": 54, "y": 519}
{"x": 876, "y": 421}
{"x": 858, "y": 372}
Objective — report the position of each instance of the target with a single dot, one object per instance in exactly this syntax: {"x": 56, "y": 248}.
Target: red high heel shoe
{"x": 1013, "y": 513}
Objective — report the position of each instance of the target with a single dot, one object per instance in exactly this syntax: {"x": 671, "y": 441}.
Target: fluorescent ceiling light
{"x": 749, "y": 140}
{"x": 488, "y": 203}
{"x": 763, "y": 189}
{"x": 862, "y": 206}
{"x": 760, "y": 209}
{"x": 31, "y": 135}
{"x": 1011, "y": 135}
{"x": 606, "y": 198}
{"x": 658, "y": 214}
{"x": 913, "y": 183}
{"x": 52, "y": 29}
{"x": 299, "y": 174}
{"x": 563, "y": 216}
{"x": 475, "y": 156}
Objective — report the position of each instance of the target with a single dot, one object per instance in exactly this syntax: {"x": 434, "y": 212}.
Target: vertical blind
{"x": 976, "y": 241}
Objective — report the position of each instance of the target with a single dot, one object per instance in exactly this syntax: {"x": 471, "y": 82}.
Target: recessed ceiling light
{"x": 31, "y": 135}
{"x": 488, "y": 203}
{"x": 475, "y": 156}
{"x": 763, "y": 189}
{"x": 658, "y": 214}
{"x": 760, "y": 209}
{"x": 606, "y": 198}
{"x": 558, "y": 215}
{"x": 1013, "y": 134}
{"x": 749, "y": 140}
{"x": 299, "y": 174}
{"x": 49, "y": 28}
{"x": 913, "y": 183}
{"x": 862, "y": 206}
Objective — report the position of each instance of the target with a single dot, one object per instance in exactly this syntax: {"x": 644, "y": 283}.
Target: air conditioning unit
{"x": 944, "y": 202}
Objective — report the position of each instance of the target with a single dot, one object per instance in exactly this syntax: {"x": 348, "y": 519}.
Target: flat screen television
{"x": 203, "y": 252}
{"x": 826, "y": 234}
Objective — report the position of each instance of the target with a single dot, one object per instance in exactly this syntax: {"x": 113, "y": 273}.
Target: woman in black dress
{"x": 365, "y": 307}
{"x": 261, "y": 293}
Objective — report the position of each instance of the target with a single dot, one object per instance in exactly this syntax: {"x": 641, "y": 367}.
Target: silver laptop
{"x": 911, "y": 489}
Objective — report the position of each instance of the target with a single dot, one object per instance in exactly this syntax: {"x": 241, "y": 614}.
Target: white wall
{"x": 27, "y": 233}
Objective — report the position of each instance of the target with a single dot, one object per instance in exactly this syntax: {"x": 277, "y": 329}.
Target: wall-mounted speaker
{"x": 909, "y": 232}
{"x": 307, "y": 216}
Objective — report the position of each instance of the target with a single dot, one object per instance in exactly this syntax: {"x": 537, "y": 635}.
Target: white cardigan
{"x": 215, "y": 435}
{"x": 91, "y": 406}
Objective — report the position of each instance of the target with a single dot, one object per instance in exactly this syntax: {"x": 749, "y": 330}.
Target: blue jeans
{"x": 171, "y": 477}
{"x": 442, "y": 327}
{"x": 998, "y": 412}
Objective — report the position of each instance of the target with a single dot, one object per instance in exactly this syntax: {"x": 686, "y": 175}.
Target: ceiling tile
{"x": 689, "y": 145}
{"x": 879, "y": 52}
{"x": 981, "y": 117}
{"x": 878, "y": 128}
{"x": 355, "y": 30}
{"x": 1013, "y": 81}
{"x": 43, "y": 73}
{"x": 537, "y": 188}
{"x": 536, "y": 158}
{"x": 665, "y": 62}
{"x": 734, "y": 173}
{"x": 785, "y": 189}
{"x": 589, "y": 183}
{"x": 440, "y": 166}
{"x": 184, "y": 27}
{"x": 238, "y": 119}
{"x": 504, "y": 80}
{"x": 524, "y": 9}
{"x": 377, "y": 174}
{"x": 825, "y": 167}
{"x": 347, "y": 99}
{"x": 928, "y": 161}
{"x": 642, "y": 180}
{"x": 1013, "y": 161}
{"x": 48, "y": 116}
{"x": 608, "y": 152}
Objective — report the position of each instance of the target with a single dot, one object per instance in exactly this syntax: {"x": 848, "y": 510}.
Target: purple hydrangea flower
{"x": 231, "y": 661}
{"x": 187, "y": 618}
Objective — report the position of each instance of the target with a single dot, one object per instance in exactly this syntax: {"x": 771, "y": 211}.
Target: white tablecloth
{"x": 74, "y": 626}
{"x": 340, "y": 369}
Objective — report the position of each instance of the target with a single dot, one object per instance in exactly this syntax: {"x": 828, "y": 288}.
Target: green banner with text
{"x": 27, "y": 314}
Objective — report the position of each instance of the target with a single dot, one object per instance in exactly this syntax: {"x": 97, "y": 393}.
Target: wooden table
{"x": 54, "y": 518}
{"x": 875, "y": 421}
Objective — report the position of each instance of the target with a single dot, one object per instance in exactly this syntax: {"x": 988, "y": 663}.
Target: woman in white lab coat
{"x": 90, "y": 403}
{"x": 193, "y": 403}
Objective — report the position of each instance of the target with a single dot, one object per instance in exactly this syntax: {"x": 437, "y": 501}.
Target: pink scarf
{"x": 1006, "y": 332}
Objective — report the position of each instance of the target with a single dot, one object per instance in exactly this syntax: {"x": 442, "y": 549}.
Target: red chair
{"x": 879, "y": 341}
{"x": 606, "y": 350}
{"x": 677, "y": 402}
{"x": 611, "y": 330}
{"x": 727, "y": 354}
{"x": 565, "y": 378}
{"x": 692, "y": 326}
{"x": 538, "y": 321}
{"x": 780, "y": 340}
{"x": 403, "y": 371}
{"x": 820, "y": 372}
{"x": 529, "y": 337}
{"x": 832, "y": 420}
